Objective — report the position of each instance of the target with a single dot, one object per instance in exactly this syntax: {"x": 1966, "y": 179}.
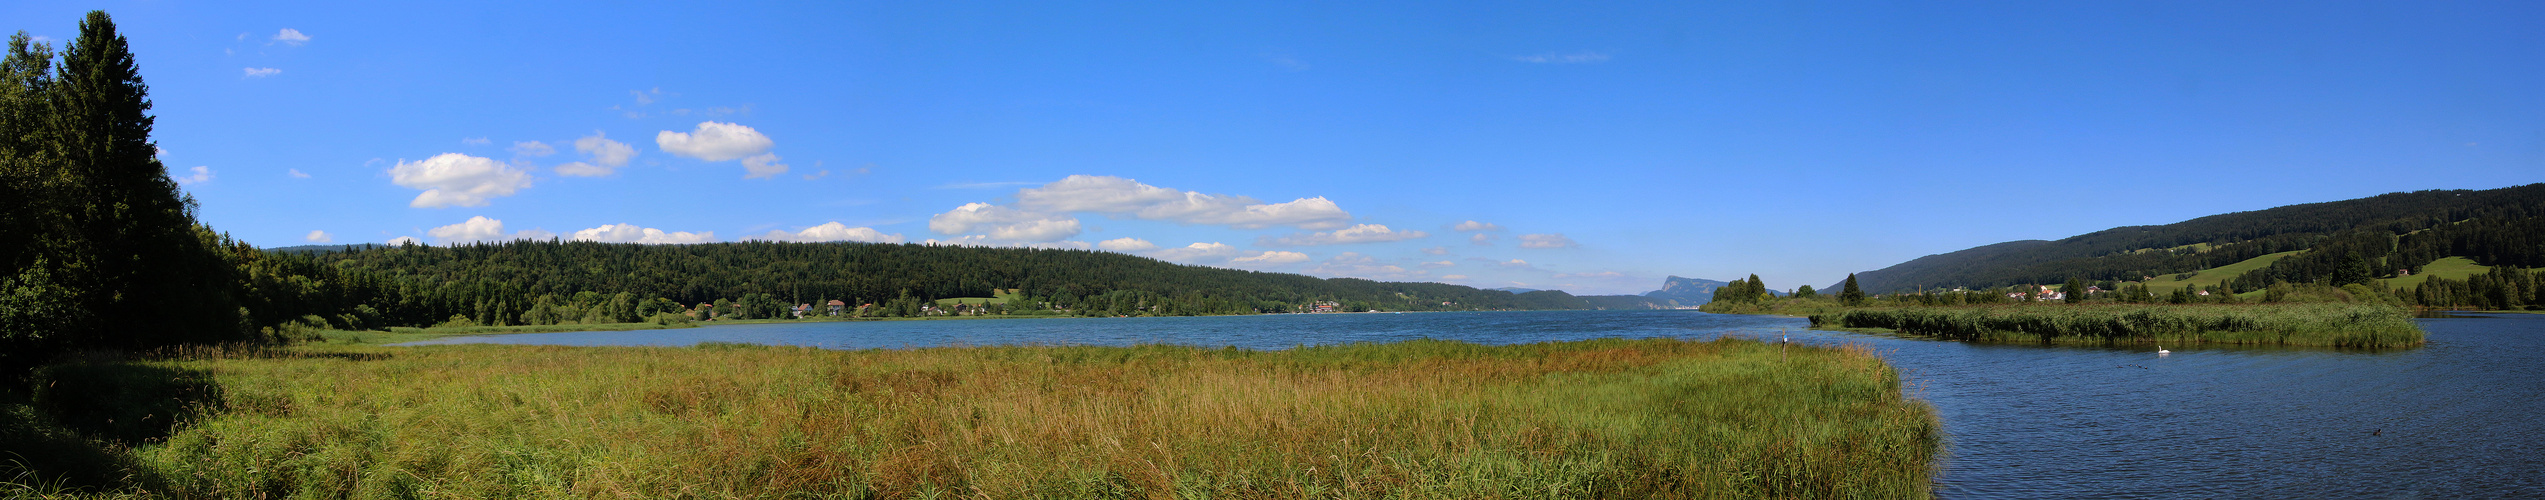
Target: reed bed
{"x": 2320, "y": 324}
{"x": 1425, "y": 419}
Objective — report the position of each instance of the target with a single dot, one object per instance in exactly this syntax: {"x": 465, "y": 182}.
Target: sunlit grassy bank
{"x": 406, "y": 334}
{"x": 1425, "y": 419}
{"x": 2332, "y": 325}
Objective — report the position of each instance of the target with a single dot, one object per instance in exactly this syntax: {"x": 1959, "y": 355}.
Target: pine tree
{"x": 1849, "y": 295}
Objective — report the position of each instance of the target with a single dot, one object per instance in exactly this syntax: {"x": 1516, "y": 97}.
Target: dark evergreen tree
{"x": 1849, "y": 294}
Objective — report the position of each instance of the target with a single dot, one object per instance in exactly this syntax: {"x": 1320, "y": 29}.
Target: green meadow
{"x": 2213, "y": 276}
{"x": 1423, "y": 419}
{"x": 2455, "y": 268}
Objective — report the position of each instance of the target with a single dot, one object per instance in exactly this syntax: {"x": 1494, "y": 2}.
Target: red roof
{"x": 837, "y": 303}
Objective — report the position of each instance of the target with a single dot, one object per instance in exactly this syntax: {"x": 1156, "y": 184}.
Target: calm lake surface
{"x": 2461, "y": 417}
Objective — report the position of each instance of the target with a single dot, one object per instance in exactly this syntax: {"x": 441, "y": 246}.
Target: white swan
{"x": 2160, "y": 351}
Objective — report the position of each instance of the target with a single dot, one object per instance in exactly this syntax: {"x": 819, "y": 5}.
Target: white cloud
{"x": 1118, "y": 196}
{"x": 581, "y": 169}
{"x": 1453, "y": 277}
{"x": 605, "y": 152}
{"x": 475, "y": 141}
{"x": 201, "y": 175}
{"x": 1436, "y": 251}
{"x": 764, "y": 165}
{"x": 962, "y": 241}
{"x": 1476, "y": 226}
{"x": 606, "y": 156}
{"x": 1481, "y": 239}
{"x": 1583, "y": 57}
{"x": 1004, "y": 223}
{"x": 714, "y": 141}
{"x": 1225, "y": 255}
{"x": 1126, "y": 245}
{"x": 1269, "y": 258}
{"x": 291, "y": 36}
{"x": 630, "y": 233}
{"x": 831, "y": 231}
{"x": 297, "y": 174}
{"x": 405, "y": 240}
{"x": 319, "y": 237}
{"x": 1508, "y": 264}
{"x": 477, "y": 228}
{"x": 262, "y": 72}
{"x": 1197, "y": 253}
{"x": 1039, "y": 230}
{"x": 533, "y": 148}
{"x": 1438, "y": 264}
{"x": 1549, "y": 240}
{"x": 453, "y": 179}
{"x": 1365, "y": 233}
{"x": 1356, "y": 265}
{"x": 985, "y": 241}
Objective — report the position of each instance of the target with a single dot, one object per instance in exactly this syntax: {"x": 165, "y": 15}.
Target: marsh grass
{"x": 2317, "y": 324}
{"x": 1423, "y": 419}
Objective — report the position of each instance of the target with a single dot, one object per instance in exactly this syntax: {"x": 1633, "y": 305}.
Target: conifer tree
{"x": 1849, "y": 295}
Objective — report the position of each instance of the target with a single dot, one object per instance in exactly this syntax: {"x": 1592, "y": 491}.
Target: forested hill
{"x": 434, "y": 282}
{"x": 2374, "y": 235}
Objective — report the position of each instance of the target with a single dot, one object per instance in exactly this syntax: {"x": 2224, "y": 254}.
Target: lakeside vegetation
{"x": 1727, "y": 418}
{"x": 2324, "y": 325}
{"x": 2292, "y": 314}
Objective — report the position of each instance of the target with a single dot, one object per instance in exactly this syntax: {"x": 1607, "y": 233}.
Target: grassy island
{"x": 2319, "y": 324}
{"x": 1422, "y": 419}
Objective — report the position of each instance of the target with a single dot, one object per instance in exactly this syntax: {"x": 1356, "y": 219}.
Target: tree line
{"x": 491, "y": 283}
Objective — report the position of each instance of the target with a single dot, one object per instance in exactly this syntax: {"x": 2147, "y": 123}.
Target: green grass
{"x": 2455, "y": 268}
{"x": 2216, "y": 275}
{"x": 1001, "y": 298}
{"x": 408, "y": 334}
{"x": 1422, "y": 419}
{"x": 2321, "y": 324}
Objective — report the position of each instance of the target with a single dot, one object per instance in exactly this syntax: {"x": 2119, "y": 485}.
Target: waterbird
{"x": 2160, "y": 351}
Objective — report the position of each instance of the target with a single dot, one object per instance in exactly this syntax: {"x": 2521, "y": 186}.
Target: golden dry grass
{"x": 1426, "y": 419}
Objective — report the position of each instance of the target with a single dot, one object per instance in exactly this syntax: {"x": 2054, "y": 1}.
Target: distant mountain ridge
{"x": 2384, "y": 233}
{"x": 1686, "y": 291}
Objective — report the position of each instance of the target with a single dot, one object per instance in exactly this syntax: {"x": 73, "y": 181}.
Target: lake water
{"x": 2461, "y": 417}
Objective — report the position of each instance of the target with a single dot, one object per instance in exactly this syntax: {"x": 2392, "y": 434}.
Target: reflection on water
{"x": 2449, "y": 420}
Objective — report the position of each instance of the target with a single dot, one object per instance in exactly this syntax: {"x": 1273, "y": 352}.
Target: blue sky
{"x": 1591, "y": 148}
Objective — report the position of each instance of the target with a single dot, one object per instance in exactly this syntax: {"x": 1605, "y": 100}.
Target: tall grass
{"x": 2322, "y": 324}
{"x": 1426, "y": 419}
